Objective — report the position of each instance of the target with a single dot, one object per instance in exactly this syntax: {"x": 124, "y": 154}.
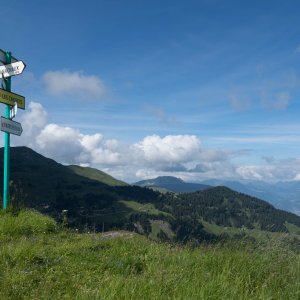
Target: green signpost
{"x": 7, "y": 83}
{"x": 7, "y": 97}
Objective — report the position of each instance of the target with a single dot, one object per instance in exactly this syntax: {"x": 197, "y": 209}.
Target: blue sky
{"x": 195, "y": 89}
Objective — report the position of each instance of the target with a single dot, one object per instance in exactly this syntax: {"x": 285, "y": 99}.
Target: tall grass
{"x": 43, "y": 264}
{"x": 25, "y": 222}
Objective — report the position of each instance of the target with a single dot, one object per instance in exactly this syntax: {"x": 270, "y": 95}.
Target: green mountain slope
{"x": 41, "y": 181}
{"x": 172, "y": 184}
{"x": 95, "y": 174}
{"x": 226, "y": 208}
{"x": 50, "y": 187}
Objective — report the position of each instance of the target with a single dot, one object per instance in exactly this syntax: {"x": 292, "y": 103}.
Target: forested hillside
{"x": 228, "y": 208}
{"x": 43, "y": 184}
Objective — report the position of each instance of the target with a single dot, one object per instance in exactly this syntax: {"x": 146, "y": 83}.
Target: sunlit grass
{"x": 50, "y": 264}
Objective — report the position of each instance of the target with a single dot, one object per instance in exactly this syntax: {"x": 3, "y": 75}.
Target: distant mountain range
{"x": 173, "y": 184}
{"x": 283, "y": 195}
{"x": 94, "y": 200}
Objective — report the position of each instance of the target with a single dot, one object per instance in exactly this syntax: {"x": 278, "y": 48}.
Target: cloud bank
{"x": 177, "y": 155}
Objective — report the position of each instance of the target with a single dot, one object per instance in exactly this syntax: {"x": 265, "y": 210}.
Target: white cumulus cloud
{"x": 169, "y": 149}
{"x": 63, "y": 142}
{"x": 90, "y": 142}
{"x": 33, "y": 121}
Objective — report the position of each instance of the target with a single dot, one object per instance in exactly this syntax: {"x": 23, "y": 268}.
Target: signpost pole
{"x": 7, "y": 87}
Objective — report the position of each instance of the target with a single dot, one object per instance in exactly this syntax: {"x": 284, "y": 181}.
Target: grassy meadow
{"x": 39, "y": 260}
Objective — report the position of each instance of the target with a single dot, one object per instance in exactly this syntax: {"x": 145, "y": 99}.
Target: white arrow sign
{"x": 12, "y": 69}
{"x": 10, "y": 126}
{"x": 13, "y": 111}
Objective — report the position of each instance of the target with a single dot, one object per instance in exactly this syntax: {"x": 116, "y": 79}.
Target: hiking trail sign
{"x": 12, "y": 98}
{"x": 9, "y": 66}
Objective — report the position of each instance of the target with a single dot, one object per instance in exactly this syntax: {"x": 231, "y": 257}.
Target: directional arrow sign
{"x": 13, "y": 111}
{"x": 3, "y": 57}
{"x": 12, "y": 98}
{"x": 10, "y": 126}
{"x": 12, "y": 69}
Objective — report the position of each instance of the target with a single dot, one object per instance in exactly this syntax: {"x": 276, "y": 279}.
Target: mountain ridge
{"x": 283, "y": 195}
{"x": 95, "y": 174}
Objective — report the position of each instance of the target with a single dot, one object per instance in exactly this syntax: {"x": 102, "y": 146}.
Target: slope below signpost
{"x": 203, "y": 215}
